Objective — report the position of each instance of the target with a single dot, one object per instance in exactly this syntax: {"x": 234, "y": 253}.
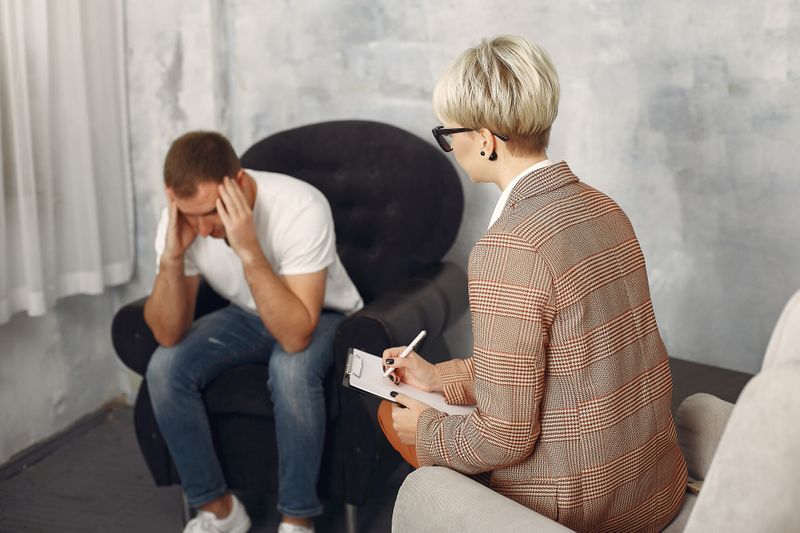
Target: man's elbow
{"x": 166, "y": 340}
{"x": 296, "y": 343}
{"x": 163, "y": 335}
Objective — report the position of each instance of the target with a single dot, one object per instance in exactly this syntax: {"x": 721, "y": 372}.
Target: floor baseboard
{"x": 38, "y": 451}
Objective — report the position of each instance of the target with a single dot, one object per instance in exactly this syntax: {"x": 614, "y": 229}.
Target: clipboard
{"x": 363, "y": 371}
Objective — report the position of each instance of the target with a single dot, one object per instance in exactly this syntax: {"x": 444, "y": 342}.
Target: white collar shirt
{"x": 501, "y": 203}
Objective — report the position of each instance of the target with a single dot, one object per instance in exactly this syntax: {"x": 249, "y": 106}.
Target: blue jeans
{"x": 224, "y": 339}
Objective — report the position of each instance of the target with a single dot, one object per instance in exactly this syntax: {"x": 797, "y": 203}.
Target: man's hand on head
{"x": 237, "y": 217}
{"x": 180, "y": 234}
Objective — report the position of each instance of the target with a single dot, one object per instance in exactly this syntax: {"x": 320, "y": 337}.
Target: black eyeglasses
{"x": 442, "y": 134}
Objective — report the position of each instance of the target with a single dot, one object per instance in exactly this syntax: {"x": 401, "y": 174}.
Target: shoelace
{"x": 206, "y": 522}
{"x": 293, "y": 528}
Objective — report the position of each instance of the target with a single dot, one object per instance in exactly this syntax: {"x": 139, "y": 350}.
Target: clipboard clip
{"x": 354, "y": 364}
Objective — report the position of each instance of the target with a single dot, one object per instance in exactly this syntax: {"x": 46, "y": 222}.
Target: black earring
{"x": 483, "y": 153}
{"x": 493, "y": 156}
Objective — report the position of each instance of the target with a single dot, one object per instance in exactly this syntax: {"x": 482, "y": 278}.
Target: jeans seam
{"x": 304, "y": 513}
{"x": 207, "y": 497}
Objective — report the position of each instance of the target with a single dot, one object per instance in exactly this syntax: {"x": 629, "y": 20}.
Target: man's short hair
{"x": 196, "y": 157}
{"x": 508, "y": 85}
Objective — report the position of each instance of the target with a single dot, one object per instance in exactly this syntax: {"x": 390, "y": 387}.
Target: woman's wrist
{"x": 437, "y": 380}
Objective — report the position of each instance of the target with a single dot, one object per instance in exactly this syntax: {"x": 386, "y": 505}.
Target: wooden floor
{"x": 95, "y": 479}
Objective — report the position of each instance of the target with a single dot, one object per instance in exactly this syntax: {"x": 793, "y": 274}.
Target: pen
{"x": 407, "y": 351}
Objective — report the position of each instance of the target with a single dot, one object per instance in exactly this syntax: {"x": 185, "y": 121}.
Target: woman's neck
{"x": 513, "y": 166}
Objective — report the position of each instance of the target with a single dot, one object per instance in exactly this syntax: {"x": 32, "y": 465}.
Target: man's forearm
{"x": 281, "y": 311}
{"x": 168, "y": 311}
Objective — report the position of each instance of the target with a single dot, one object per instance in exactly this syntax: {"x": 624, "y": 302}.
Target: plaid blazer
{"x": 569, "y": 373}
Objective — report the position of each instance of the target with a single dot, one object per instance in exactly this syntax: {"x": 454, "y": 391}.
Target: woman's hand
{"x": 412, "y": 369}
{"x": 404, "y": 420}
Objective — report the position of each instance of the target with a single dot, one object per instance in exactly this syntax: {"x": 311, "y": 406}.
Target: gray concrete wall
{"x": 54, "y": 369}
{"x": 686, "y": 113}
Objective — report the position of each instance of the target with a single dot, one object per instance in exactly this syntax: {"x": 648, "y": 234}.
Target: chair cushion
{"x": 678, "y": 523}
{"x": 700, "y": 421}
{"x": 240, "y": 390}
{"x": 435, "y": 498}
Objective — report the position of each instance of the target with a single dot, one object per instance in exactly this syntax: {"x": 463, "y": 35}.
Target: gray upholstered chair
{"x": 745, "y": 454}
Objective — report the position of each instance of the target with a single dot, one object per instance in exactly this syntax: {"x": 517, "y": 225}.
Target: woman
{"x": 569, "y": 374}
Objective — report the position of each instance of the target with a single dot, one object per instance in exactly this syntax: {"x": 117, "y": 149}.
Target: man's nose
{"x": 204, "y": 227}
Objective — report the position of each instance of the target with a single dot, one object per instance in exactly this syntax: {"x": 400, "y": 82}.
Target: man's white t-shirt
{"x": 295, "y": 228}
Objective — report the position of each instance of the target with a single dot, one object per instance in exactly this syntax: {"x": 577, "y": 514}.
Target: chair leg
{"x": 351, "y": 517}
{"x": 186, "y": 509}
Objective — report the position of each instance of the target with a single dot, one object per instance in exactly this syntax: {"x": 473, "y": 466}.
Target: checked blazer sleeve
{"x": 458, "y": 381}
{"x": 512, "y": 302}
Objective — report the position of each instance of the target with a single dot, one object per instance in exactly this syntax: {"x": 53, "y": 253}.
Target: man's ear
{"x": 170, "y": 194}
{"x": 240, "y": 177}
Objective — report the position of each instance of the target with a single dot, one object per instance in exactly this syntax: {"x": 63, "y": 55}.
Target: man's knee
{"x": 158, "y": 369}
{"x": 293, "y": 370}
{"x": 306, "y": 369}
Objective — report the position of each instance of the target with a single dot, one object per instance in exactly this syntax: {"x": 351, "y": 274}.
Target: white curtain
{"x": 66, "y": 214}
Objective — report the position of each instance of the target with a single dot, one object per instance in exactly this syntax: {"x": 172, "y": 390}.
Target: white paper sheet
{"x": 366, "y": 373}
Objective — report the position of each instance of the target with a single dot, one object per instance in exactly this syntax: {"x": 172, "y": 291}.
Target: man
{"x": 265, "y": 242}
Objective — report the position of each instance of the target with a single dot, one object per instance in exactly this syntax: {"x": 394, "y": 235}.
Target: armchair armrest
{"x": 134, "y": 342}
{"x": 700, "y": 421}
{"x": 432, "y": 300}
{"x": 437, "y": 499}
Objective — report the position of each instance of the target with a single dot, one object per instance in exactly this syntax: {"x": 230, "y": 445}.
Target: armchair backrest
{"x": 784, "y": 344}
{"x": 397, "y": 201}
{"x": 751, "y": 483}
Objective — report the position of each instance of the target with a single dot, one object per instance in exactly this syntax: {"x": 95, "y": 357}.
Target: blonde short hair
{"x": 506, "y": 84}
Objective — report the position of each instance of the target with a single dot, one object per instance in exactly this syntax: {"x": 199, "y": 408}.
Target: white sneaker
{"x": 294, "y": 528}
{"x": 206, "y": 522}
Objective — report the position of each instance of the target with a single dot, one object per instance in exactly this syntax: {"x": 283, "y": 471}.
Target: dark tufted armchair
{"x": 397, "y": 204}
